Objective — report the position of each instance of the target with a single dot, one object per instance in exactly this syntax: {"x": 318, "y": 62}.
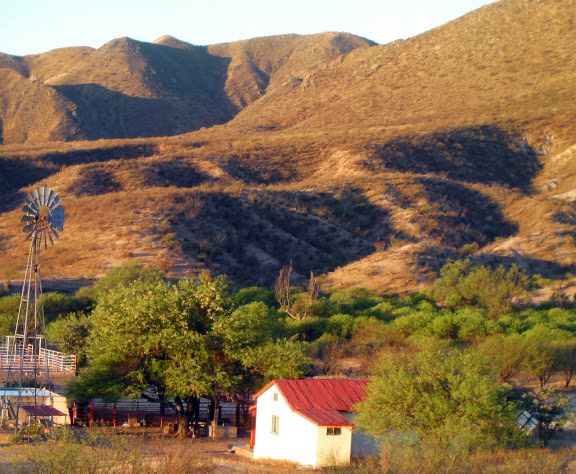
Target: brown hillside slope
{"x": 260, "y": 65}
{"x": 508, "y": 62}
{"x": 31, "y": 111}
{"x": 47, "y": 65}
{"x": 130, "y": 88}
{"x": 359, "y": 173}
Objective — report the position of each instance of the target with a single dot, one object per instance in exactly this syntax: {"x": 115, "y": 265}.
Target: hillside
{"x": 369, "y": 164}
{"x": 130, "y": 88}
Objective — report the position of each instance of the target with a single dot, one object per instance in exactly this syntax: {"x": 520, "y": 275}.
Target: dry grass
{"x": 132, "y": 451}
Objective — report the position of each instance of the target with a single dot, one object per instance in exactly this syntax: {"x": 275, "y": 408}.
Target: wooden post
{"x": 91, "y": 414}
{"x": 114, "y": 412}
{"x": 253, "y": 430}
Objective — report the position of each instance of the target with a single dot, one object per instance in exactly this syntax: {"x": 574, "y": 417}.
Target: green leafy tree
{"x": 70, "y": 333}
{"x": 146, "y": 339}
{"x": 507, "y": 353}
{"x": 254, "y": 294}
{"x": 550, "y": 409}
{"x": 161, "y": 341}
{"x": 461, "y": 284}
{"x": 439, "y": 398}
{"x": 8, "y": 312}
{"x": 566, "y": 359}
{"x": 351, "y": 300}
{"x": 123, "y": 275}
{"x": 541, "y": 359}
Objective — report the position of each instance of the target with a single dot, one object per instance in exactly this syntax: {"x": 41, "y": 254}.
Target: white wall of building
{"x": 334, "y": 450}
{"x": 298, "y": 439}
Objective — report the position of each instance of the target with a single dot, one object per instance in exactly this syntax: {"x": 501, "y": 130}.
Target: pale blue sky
{"x": 35, "y": 26}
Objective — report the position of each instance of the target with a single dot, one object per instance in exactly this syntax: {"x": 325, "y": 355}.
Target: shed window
{"x": 334, "y": 431}
{"x": 275, "y": 397}
{"x": 275, "y": 425}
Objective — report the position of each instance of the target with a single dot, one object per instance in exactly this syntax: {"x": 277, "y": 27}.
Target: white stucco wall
{"x": 302, "y": 441}
{"x": 296, "y": 439}
{"x": 333, "y": 450}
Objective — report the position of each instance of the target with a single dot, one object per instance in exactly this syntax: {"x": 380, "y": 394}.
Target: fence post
{"x": 91, "y": 414}
{"x": 114, "y": 415}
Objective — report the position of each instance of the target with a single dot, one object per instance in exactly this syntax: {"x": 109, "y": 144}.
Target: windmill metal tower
{"x": 27, "y": 360}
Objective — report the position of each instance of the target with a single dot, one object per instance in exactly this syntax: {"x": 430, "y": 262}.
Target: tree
{"x": 70, "y": 332}
{"x": 136, "y": 330}
{"x": 542, "y": 360}
{"x": 461, "y": 284}
{"x": 327, "y": 353}
{"x": 122, "y": 275}
{"x": 507, "y": 353}
{"x": 446, "y": 399}
{"x": 549, "y": 408}
{"x": 566, "y": 359}
{"x": 8, "y": 312}
{"x": 161, "y": 341}
{"x": 297, "y": 307}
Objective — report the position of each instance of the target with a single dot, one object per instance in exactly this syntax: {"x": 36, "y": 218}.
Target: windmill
{"x": 27, "y": 359}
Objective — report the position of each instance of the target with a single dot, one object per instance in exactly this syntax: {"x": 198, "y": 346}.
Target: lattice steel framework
{"x": 26, "y": 356}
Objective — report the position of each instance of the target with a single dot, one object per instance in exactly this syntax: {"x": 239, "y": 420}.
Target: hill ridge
{"x": 370, "y": 164}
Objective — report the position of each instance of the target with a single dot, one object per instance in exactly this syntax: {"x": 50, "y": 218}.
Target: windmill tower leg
{"x": 28, "y": 371}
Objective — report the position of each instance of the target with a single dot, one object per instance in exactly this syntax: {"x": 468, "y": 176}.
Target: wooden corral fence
{"x": 47, "y": 359}
{"x": 141, "y": 412}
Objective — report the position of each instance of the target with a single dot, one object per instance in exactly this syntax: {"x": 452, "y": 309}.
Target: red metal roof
{"x": 42, "y": 410}
{"x": 321, "y": 400}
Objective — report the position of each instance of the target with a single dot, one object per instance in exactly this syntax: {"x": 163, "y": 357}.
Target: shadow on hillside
{"x": 93, "y": 181}
{"x": 255, "y": 171}
{"x": 76, "y": 157}
{"x": 101, "y": 178}
{"x": 566, "y": 214}
{"x": 476, "y": 155}
{"x": 16, "y": 173}
{"x": 459, "y": 215}
{"x": 181, "y": 174}
{"x": 250, "y": 236}
{"x": 190, "y": 94}
{"x": 103, "y": 113}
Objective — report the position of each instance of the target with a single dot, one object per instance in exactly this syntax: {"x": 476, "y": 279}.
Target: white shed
{"x": 310, "y": 422}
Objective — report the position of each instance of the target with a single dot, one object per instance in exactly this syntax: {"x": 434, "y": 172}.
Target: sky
{"x": 37, "y": 26}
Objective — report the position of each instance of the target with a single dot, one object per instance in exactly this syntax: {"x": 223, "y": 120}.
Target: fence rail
{"x": 141, "y": 412}
{"x": 47, "y": 359}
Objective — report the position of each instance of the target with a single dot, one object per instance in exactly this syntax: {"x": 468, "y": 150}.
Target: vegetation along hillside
{"x": 370, "y": 165}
